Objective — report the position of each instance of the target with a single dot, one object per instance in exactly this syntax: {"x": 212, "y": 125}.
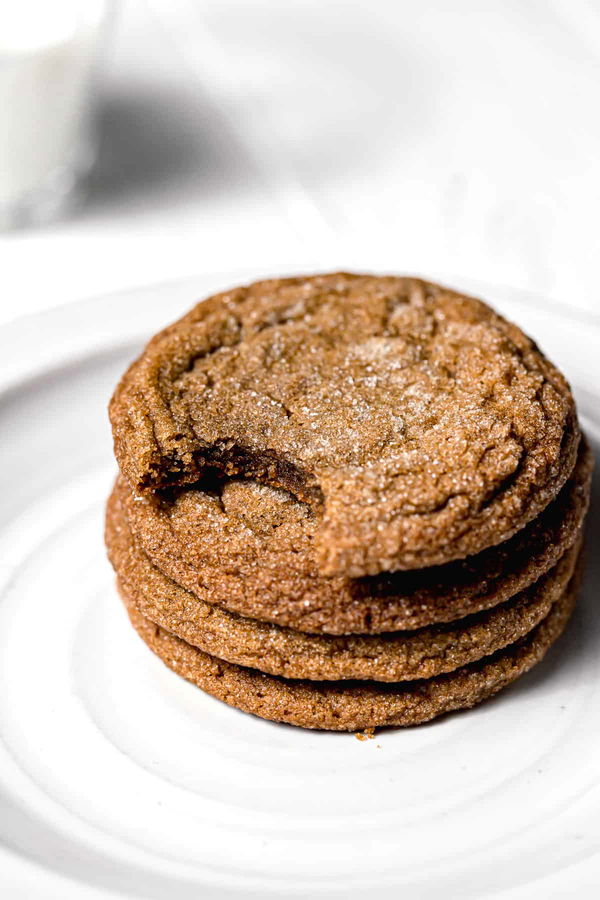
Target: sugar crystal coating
{"x": 396, "y": 656}
{"x": 422, "y": 426}
{"x": 250, "y": 549}
{"x": 354, "y": 706}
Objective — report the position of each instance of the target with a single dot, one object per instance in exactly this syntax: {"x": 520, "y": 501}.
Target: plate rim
{"x": 15, "y": 370}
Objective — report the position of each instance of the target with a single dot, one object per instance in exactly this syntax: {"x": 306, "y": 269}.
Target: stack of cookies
{"x": 346, "y": 501}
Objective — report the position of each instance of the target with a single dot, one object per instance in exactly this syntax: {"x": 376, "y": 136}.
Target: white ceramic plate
{"x": 117, "y": 777}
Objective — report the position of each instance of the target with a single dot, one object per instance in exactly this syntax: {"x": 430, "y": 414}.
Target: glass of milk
{"x": 48, "y": 59}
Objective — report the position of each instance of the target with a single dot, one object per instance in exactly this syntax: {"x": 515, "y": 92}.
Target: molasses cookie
{"x": 354, "y": 706}
{"x": 398, "y": 656}
{"x": 249, "y": 548}
{"x": 418, "y": 425}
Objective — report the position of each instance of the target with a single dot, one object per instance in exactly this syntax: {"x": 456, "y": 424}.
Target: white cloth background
{"x": 458, "y": 137}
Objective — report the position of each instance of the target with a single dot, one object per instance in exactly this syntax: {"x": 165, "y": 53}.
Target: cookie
{"x": 354, "y": 706}
{"x": 419, "y": 425}
{"x": 399, "y": 656}
{"x": 249, "y": 549}
{"x": 293, "y": 654}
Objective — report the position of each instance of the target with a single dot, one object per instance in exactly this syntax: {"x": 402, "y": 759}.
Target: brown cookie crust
{"x": 352, "y": 706}
{"x": 422, "y": 426}
{"x": 399, "y": 656}
{"x": 249, "y": 549}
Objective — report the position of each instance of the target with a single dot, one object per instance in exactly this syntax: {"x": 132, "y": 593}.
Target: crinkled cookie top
{"x": 420, "y": 426}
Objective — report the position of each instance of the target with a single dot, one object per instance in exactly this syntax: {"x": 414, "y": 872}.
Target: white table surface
{"x": 425, "y": 136}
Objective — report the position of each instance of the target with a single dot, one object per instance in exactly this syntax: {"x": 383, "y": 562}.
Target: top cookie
{"x": 423, "y": 426}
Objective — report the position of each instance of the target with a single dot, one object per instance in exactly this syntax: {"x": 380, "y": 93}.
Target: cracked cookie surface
{"x": 353, "y": 706}
{"x": 423, "y": 426}
{"x": 250, "y": 549}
